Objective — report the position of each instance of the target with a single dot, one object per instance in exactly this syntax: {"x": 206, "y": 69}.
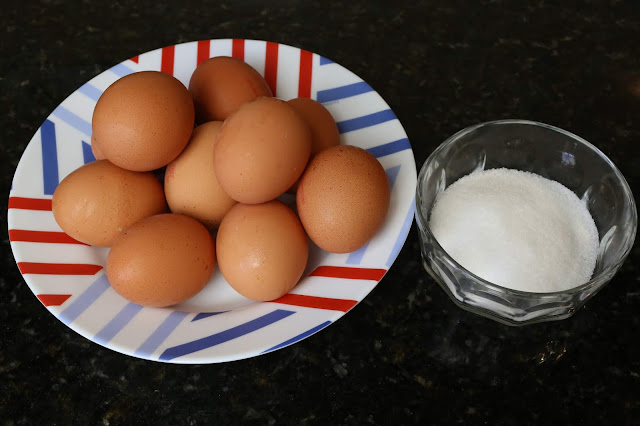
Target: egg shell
{"x": 343, "y": 198}
{"x": 262, "y": 149}
{"x": 324, "y": 130}
{"x": 97, "y": 202}
{"x": 190, "y": 183}
{"x": 95, "y": 150}
{"x": 162, "y": 260}
{"x": 221, "y": 84}
{"x": 143, "y": 120}
{"x": 262, "y": 249}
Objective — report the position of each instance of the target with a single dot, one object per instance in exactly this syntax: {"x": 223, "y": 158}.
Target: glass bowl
{"x": 549, "y": 152}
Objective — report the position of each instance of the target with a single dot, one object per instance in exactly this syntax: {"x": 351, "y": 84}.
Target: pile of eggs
{"x": 220, "y": 181}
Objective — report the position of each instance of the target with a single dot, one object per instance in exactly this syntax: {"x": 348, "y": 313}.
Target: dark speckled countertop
{"x": 407, "y": 354}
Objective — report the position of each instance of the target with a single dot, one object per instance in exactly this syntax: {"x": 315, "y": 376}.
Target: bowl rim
{"x": 423, "y": 222}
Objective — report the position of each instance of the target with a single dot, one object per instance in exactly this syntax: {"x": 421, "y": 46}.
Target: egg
{"x": 95, "y": 150}
{"x": 262, "y": 149}
{"x": 97, "y": 202}
{"x": 143, "y": 120}
{"x": 343, "y": 198}
{"x": 162, "y": 260}
{"x": 262, "y": 249}
{"x": 190, "y": 184}
{"x": 220, "y": 85}
{"x": 324, "y": 130}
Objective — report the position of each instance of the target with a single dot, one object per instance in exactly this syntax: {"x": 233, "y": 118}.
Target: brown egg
{"x": 190, "y": 184}
{"x": 343, "y": 198}
{"x": 143, "y": 120}
{"x": 220, "y": 85}
{"x": 97, "y": 202}
{"x": 95, "y": 150}
{"x": 162, "y": 260}
{"x": 324, "y": 130}
{"x": 261, "y": 151}
{"x": 262, "y": 249}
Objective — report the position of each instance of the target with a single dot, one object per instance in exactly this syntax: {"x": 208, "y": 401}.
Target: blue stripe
{"x": 87, "y": 154}
{"x": 392, "y": 175}
{"x": 118, "y": 322}
{"x": 299, "y": 337}
{"x": 90, "y": 91}
{"x": 325, "y": 61}
{"x": 355, "y": 257}
{"x": 49, "y": 157}
{"x": 366, "y": 121}
{"x": 390, "y": 148}
{"x": 402, "y": 237}
{"x": 160, "y": 334}
{"x": 72, "y": 120}
{"x": 121, "y": 70}
{"x": 86, "y": 299}
{"x": 203, "y": 315}
{"x": 343, "y": 92}
{"x": 224, "y": 336}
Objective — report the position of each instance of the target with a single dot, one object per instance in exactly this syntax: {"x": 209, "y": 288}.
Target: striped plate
{"x": 217, "y": 324}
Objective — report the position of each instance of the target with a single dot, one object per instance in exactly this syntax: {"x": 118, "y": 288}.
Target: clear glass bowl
{"x": 549, "y": 152}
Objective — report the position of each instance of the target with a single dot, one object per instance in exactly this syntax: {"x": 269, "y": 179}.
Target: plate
{"x": 218, "y": 324}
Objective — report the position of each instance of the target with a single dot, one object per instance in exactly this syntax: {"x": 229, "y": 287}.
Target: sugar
{"x": 517, "y": 229}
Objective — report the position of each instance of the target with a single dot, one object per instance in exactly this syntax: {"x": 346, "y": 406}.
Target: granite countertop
{"x": 407, "y": 354}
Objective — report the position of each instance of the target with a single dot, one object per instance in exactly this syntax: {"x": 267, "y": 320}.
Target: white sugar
{"x": 517, "y": 229}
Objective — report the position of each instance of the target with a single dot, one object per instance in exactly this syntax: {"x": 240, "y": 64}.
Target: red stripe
{"x": 58, "y": 268}
{"x": 204, "y": 51}
{"x": 135, "y": 59}
{"x": 306, "y": 69}
{"x": 349, "y": 273}
{"x": 41, "y": 237}
{"x": 237, "y": 49}
{"x": 317, "y": 302}
{"x": 30, "y": 203}
{"x": 166, "y": 65}
{"x": 53, "y": 299}
{"x": 271, "y": 66}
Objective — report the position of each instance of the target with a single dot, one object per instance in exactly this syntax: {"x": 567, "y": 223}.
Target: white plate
{"x": 217, "y": 324}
